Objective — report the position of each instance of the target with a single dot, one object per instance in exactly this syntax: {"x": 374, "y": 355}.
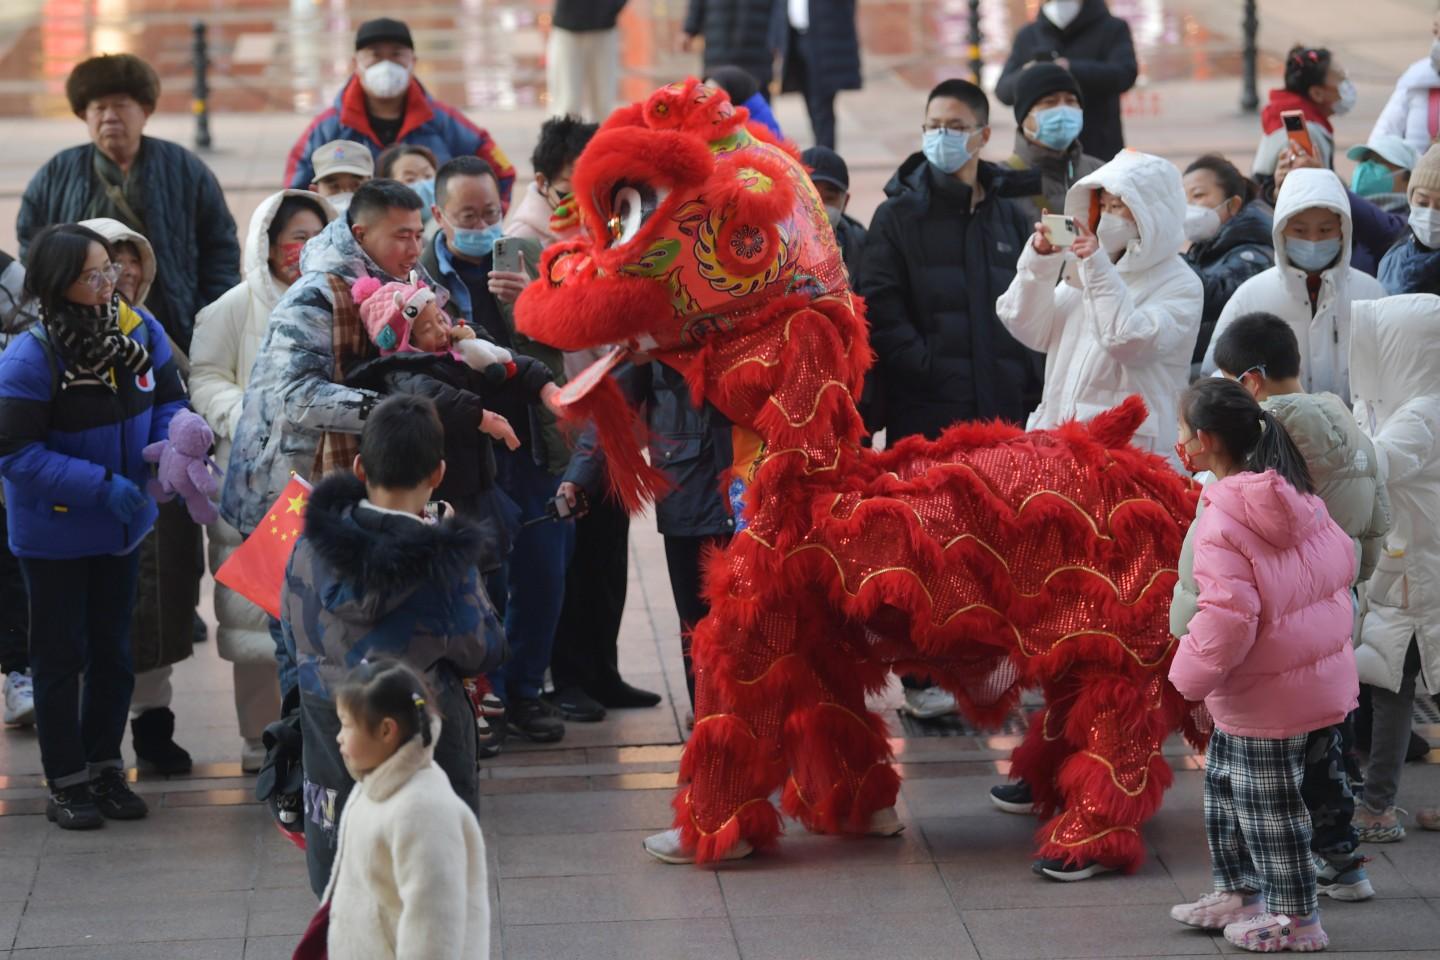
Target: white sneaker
{"x": 929, "y": 703}
{"x": 252, "y": 756}
{"x": 1217, "y": 910}
{"x": 19, "y": 700}
{"x": 667, "y": 847}
{"x": 885, "y": 823}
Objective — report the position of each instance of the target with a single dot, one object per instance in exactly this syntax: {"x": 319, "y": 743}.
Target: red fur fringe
{"x": 633, "y": 481}
{"x": 1122, "y": 849}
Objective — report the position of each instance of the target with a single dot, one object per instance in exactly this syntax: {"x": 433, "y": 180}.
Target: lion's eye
{"x": 631, "y": 205}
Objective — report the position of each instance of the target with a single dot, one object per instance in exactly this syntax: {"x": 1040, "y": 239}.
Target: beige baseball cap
{"x": 342, "y": 156}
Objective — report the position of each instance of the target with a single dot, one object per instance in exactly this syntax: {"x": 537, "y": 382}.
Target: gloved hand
{"x": 123, "y": 499}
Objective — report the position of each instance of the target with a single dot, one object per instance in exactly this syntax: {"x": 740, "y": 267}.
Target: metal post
{"x": 1250, "y": 98}
{"x": 201, "y": 104}
{"x": 975, "y": 60}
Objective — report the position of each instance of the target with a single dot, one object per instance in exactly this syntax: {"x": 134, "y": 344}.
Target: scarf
{"x": 89, "y": 340}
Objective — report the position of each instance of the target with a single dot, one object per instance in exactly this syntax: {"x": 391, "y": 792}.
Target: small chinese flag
{"x": 256, "y": 570}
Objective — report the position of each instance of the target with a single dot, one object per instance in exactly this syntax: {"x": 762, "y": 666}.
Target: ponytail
{"x": 1251, "y": 436}
{"x": 1274, "y": 450}
{"x": 376, "y": 690}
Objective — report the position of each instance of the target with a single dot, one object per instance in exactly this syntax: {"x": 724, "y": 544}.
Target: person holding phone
{"x": 1316, "y": 88}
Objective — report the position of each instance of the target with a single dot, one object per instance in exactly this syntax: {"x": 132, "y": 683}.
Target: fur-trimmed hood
{"x": 379, "y": 558}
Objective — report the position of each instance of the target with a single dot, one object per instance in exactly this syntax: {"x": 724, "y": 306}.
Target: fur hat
{"x": 110, "y": 74}
{"x": 389, "y": 311}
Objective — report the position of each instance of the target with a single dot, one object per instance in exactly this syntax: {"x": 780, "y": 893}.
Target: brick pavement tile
{"x": 10, "y": 912}
{"x": 18, "y": 876}
{"x": 71, "y": 877}
{"x": 995, "y": 837}
{"x": 996, "y": 881}
{"x": 270, "y": 948}
{"x": 799, "y": 849}
{"x": 24, "y": 836}
{"x": 230, "y": 949}
{"x": 766, "y": 888}
{"x": 204, "y": 916}
{"x": 662, "y": 894}
{"x": 573, "y": 854}
{"x": 1050, "y": 933}
{"x": 521, "y": 814}
{"x": 1416, "y": 859}
{"x": 195, "y": 831}
{"x": 643, "y": 940}
{"x": 914, "y": 936}
{"x": 280, "y": 911}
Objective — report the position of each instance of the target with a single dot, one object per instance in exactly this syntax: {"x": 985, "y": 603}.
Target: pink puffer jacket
{"x": 1269, "y": 648}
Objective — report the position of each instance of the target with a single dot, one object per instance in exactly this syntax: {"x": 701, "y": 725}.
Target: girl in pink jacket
{"x": 1269, "y": 652}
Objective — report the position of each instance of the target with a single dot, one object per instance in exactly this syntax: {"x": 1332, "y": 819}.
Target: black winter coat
{"x": 1102, "y": 58}
{"x": 829, "y": 49}
{"x": 581, "y": 16}
{"x": 1244, "y": 247}
{"x": 691, "y": 445}
{"x": 187, "y": 223}
{"x": 737, "y": 33}
{"x": 930, "y": 274}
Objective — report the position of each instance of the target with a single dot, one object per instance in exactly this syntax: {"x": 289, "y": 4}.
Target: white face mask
{"x": 1347, "y": 98}
{"x": 1435, "y": 55}
{"x": 1115, "y": 234}
{"x": 341, "y": 202}
{"x": 1062, "y": 13}
{"x": 385, "y": 79}
{"x": 1201, "y": 223}
{"x": 1425, "y": 221}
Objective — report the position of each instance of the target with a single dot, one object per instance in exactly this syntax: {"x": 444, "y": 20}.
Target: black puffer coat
{"x": 1244, "y": 247}
{"x": 831, "y": 49}
{"x": 930, "y": 274}
{"x": 187, "y": 223}
{"x": 739, "y": 33}
{"x": 1102, "y": 58}
{"x": 581, "y": 16}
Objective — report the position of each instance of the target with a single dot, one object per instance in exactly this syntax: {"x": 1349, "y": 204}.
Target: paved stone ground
{"x": 207, "y": 877}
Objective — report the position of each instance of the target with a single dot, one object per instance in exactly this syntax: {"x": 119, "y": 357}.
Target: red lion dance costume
{"x": 991, "y": 559}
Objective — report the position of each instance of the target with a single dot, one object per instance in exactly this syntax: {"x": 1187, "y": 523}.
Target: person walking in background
{"x": 822, "y": 58}
{"x": 582, "y": 59}
{"x": 19, "y": 688}
{"x": 383, "y": 104}
{"x": 171, "y": 562}
{"x": 81, "y": 395}
{"x": 740, "y": 33}
{"x": 228, "y": 334}
{"x": 1230, "y": 237}
{"x": 1051, "y": 119}
{"x": 1083, "y": 37}
{"x": 154, "y": 187}
{"x": 1268, "y": 651}
{"x": 1395, "y": 379}
{"x": 1413, "y": 110}
{"x": 1413, "y": 264}
{"x": 831, "y": 177}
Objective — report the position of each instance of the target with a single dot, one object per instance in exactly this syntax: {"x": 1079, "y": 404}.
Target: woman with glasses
{"x": 82, "y": 393}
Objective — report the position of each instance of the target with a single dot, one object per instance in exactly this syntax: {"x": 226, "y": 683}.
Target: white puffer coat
{"x": 1407, "y": 112}
{"x": 1112, "y": 330}
{"x": 1395, "y": 371}
{"x": 227, "y": 337}
{"x": 1324, "y": 335}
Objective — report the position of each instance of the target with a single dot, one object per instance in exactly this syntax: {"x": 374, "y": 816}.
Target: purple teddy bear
{"x": 185, "y": 467}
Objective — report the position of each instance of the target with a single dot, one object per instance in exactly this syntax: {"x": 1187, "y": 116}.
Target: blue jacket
{"x": 58, "y": 448}
{"x": 1374, "y": 230}
{"x": 761, "y": 113}
{"x": 428, "y": 123}
{"x": 1410, "y": 268}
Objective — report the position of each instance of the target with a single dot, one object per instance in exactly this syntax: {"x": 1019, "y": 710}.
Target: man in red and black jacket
{"x": 383, "y": 104}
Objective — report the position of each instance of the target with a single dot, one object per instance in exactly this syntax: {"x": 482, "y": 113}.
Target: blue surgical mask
{"x": 475, "y": 243}
{"x": 426, "y": 191}
{"x": 947, "y": 150}
{"x": 1312, "y": 256}
{"x": 1371, "y": 178}
{"x": 1058, "y": 127}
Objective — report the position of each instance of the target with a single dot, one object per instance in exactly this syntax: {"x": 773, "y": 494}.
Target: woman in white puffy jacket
{"x": 227, "y": 335}
{"x": 1413, "y": 110}
{"x": 1118, "y": 314}
{"x": 1395, "y": 377}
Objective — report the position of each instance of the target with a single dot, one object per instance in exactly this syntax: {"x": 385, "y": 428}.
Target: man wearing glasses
{"x": 940, "y": 251}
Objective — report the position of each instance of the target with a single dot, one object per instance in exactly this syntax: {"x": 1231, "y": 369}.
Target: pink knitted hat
{"x": 389, "y": 310}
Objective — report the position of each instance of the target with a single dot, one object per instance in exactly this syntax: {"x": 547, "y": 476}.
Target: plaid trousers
{"x": 1256, "y": 824}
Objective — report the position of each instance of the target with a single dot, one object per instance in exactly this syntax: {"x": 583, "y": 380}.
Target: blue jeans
{"x": 284, "y": 660}
{"x": 529, "y": 588}
{"x": 81, "y": 611}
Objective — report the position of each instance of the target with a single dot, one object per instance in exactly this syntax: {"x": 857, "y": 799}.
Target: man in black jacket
{"x": 1085, "y": 38}
{"x": 741, "y": 33}
{"x": 582, "y": 63}
{"x": 156, "y": 188}
{"x": 822, "y": 57}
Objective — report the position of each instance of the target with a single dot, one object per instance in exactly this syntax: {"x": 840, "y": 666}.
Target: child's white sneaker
{"x": 668, "y": 847}
{"x": 1274, "y": 932}
{"x": 885, "y": 823}
{"x": 1215, "y": 910}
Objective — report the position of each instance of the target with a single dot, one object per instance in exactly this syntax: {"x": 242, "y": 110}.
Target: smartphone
{"x": 507, "y": 255}
{"x": 560, "y": 507}
{"x": 1296, "y": 132}
{"x": 1061, "y": 229}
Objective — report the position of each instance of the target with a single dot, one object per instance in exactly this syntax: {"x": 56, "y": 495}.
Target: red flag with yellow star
{"x": 256, "y": 570}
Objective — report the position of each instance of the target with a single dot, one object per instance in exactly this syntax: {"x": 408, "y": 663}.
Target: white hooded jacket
{"x": 1407, "y": 112}
{"x": 1395, "y": 372}
{"x": 1113, "y": 330}
{"x": 1324, "y": 333}
{"x": 227, "y": 337}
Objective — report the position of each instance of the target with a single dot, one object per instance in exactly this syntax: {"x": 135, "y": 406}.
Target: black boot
{"x": 153, "y": 735}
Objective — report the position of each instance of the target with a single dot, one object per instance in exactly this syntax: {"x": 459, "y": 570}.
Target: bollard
{"x": 976, "y": 62}
{"x": 1250, "y": 98}
{"x": 200, "y": 106}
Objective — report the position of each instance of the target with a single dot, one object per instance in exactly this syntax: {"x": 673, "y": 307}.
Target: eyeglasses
{"x": 101, "y": 277}
{"x": 949, "y": 127}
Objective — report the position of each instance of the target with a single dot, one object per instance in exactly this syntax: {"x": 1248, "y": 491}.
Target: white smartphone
{"x": 507, "y": 255}
{"x": 1061, "y": 229}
